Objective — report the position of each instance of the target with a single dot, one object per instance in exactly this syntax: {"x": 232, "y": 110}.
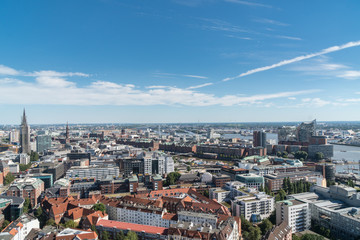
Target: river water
{"x": 348, "y": 153}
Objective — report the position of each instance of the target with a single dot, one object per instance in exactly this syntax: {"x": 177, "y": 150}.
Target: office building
{"x": 259, "y": 139}
{"x": 92, "y": 171}
{"x": 43, "y": 143}
{"x": 251, "y": 180}
{"x": 220, "y": 180}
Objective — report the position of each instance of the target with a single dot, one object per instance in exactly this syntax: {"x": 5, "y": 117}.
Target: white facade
{"x": 169, "y": 165}
{"x": 23, "y": 229}
{"x": 13, "y": 167}
{"x": 260, "y": 204}
{"x": 144, "y": 216}
{"x": 93, "y": 171}
{"x": 219, "y": 194}
{"x": 198, "y": 218}
{"x": 295, "y": 213}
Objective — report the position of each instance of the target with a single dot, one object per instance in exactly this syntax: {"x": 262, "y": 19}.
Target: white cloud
{"x": 163, "y": 74}
{"x": 4, "y": 70}
{"x": 248, "y": 3}
{"x": 351, "y": 74}
{"x": 270, "y": 21}
{"x": 195, "y": 76}
{"x": 200, "y": 86}
{"x": 51, "y": 88}
{"x": 297, "y": 59}
{"x": 290, "y": 38}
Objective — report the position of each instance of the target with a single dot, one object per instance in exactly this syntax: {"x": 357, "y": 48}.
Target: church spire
{"x": 67, "y": 130}
{"x": 23, "y": 120}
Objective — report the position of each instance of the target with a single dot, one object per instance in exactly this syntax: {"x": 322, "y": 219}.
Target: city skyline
{"x": 179, "y": 61}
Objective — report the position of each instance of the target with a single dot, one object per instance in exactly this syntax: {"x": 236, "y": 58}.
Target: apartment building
{"x": 26, "y": 188}
{"x": 294, "y": 213}
{"x": 253, "y": 205}
{"x": 20, "y": 228}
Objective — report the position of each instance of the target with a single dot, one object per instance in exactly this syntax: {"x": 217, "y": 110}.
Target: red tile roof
{"x": 132, "y": 226}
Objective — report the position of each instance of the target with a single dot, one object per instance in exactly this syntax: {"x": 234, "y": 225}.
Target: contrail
{"x": 297, "y": 59}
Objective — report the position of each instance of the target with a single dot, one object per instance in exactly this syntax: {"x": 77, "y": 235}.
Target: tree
{"x": 93, "y": 228}
{"x": 9, "y": 178}
{"x": 254, "y": 233}
{"x": 24, "y": 167}
{"x": 245, "y": 224}
{"x": 206, "y": 193}
{"x": 120, "y": 235}
{"x": 294, "y": 237}
{"x": 38, "y": 212}
{"x": 5, "y": 224}
{"x": 265, "y": 226}
{"x": 172, "y": 178}
{"x": 34, "y": 156}
{"x": 309, "y": 236}
{"x": 105, "y": 235}
{"x": 261, "y": 188}
{"x": 131, "y": 236}
{"x": 50, "y": 222}
{"x": 279, "y": 154}
{"x": 71, "y": 224}
{"x": 27, "y": 205}
{"x": 350, "y": 183}
{"x": 319, "y": 156}
{"x": 301, "y": 155}
{"x": 272, "y": 217}
{"x": 188, "y": 168}
{"x": 99, "y": 207}
{"x": 284, "y": 154}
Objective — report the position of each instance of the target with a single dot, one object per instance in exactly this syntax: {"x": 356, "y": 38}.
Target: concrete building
{"x": 13, "y": 167}
{"x": 25, "y": 135}
{"x": 219, "y": 194}
{"x": 259, "y": 139}
{"x": 26, "y": 188}
{"x": 251, "y": 180}
{"x": 220, "y": 180}
{"x": 253, "y": 205}
{"x": 92, "y": 171}
{"x": 23, "y": 159}
{"x": 14, "y": 136}
{"x": 275, "y": 181}
{"x": 20, "y": 228}
{"x": 327, "y": 150}
{"x": 336, "y": 208}
{"x": 43, "y": 142}
{"x": 294, "y": 213}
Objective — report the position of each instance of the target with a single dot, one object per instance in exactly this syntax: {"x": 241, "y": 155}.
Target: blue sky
{"x": 129, "y": 61}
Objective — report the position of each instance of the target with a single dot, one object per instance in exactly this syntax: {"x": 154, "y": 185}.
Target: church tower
{"x": 67, "y": 130}
{"x": 25, "y": 135}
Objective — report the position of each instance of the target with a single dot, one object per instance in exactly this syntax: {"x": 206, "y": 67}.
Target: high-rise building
{"x": 259, "y": 139}
{"x": 25, "y": 135}
{"x": 295, "y": 213}
{"x": 43, "y": 142}
{"x": 14, "y": 136}
{"x": 305, "y": 131}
